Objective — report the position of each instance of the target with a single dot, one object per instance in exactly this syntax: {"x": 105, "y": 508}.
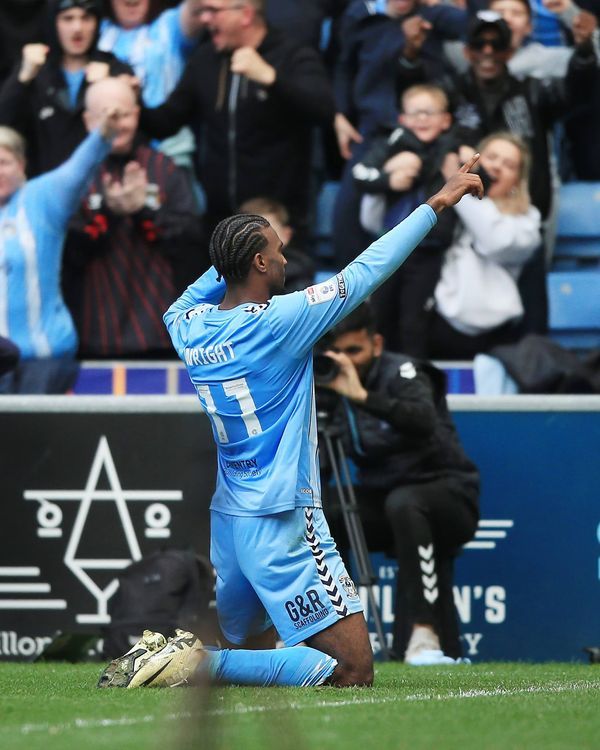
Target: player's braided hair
{"x": 235, "y": 242}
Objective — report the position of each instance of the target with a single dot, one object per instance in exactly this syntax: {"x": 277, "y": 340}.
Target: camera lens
{"x": 325, "y": 368}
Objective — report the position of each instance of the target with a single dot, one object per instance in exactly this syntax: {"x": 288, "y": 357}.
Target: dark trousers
{"x": 400, "y": 303}
{"x": 445, "y": 342}
{"x": 423, "y": 526}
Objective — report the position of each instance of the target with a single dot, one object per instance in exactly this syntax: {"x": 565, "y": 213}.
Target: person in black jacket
{"x": 43, "y": 97}
{"x": 400, "y": 168}
{"x": 253, "y": 95}
{"x": 417, "y": 490}
{"x": 487, "y": 98}
{"x": 377, "y": 39}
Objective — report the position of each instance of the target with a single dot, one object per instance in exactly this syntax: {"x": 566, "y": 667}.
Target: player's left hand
{"x": 463, "y": 182}
{"x": 347, "y": 382}
{"x": 247, "y": 62}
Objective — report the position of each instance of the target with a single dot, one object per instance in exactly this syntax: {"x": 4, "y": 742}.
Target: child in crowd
{"x": 300, "y": 269}
{"x": 397, "y": 173}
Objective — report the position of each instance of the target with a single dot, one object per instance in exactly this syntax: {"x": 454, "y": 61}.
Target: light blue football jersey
{"x": 252, "y": 370}
{"x": 156, "y": 51}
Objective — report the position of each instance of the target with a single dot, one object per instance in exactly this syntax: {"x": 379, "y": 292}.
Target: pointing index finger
{"x": 468, "y": 166}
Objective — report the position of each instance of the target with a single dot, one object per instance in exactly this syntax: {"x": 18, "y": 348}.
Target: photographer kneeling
{"x": 418, "y": 491}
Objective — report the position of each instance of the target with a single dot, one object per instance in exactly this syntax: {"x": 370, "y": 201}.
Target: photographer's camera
{"x": 325, "y": 368}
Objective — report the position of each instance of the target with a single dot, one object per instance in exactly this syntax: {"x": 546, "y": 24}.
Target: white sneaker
{"x": 422, "y": 638}
{"x": 428, "y": 658}
{"x": 173, "y": 665}
{"x": 120, "y": 671}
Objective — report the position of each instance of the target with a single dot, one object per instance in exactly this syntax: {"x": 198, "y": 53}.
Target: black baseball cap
{"x": 54, "y": 7}
{"x": 95, "y": 7}
{"x": 489, "y": 20}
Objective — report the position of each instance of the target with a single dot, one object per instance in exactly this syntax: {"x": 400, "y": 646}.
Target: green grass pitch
{"x": 484, "y": 707}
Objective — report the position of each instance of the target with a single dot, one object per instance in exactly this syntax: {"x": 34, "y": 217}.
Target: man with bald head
{"x": 137, "y": 228}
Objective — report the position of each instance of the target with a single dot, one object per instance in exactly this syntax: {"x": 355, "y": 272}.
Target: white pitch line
{"x": 239, "y": 709}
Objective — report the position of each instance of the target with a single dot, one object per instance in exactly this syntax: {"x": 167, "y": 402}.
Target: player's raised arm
{"x": 299, "y": 320}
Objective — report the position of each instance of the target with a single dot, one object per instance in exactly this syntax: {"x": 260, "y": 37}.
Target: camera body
{"x": 325, "y": 368}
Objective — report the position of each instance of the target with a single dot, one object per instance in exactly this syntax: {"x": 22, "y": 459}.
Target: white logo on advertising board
{"x": 489, "y": 532}
{"x": 157, "y": 517}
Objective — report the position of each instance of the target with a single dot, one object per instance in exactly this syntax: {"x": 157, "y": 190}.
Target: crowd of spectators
{"x": 221, "y": 106}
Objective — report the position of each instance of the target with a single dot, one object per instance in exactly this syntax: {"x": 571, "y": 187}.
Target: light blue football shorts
{"x": 283, "y": 569}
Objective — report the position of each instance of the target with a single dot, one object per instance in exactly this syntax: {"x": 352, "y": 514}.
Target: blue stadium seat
{"x": 574, "y": 300}
{"x": 578, "y": 225}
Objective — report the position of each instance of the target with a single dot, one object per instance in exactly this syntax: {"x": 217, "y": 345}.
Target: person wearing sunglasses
{"x": 488, "y": 98}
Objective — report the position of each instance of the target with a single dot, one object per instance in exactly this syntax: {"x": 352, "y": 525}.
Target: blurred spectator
{"x": 530, "y": 58}
{"x": 550, "y": 19}
{"x": 377, "y": 39}
{"x": 43, "y": 97}
{"x": 255, "y": 96}
{"x": 487, "y": 99}
{"x": 33, "y": 223}
{"x": 397, "y": 174}
{"x": 9, "y": 355}
{"x": 156, "y": 43}
{"x": 417, "y": 490}
{"x": 477, "y": 300}
{"x": 547, "y": 28}
{"x": 316, "y": 24}
{"x": 577, "y": 142}
{"x": 21, "y": 22}
{"x": 300, "y": 269}
{"x": 137, "y": 226}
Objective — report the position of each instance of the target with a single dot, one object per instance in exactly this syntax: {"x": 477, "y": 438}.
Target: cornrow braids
{"x": 234, "y": 243}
